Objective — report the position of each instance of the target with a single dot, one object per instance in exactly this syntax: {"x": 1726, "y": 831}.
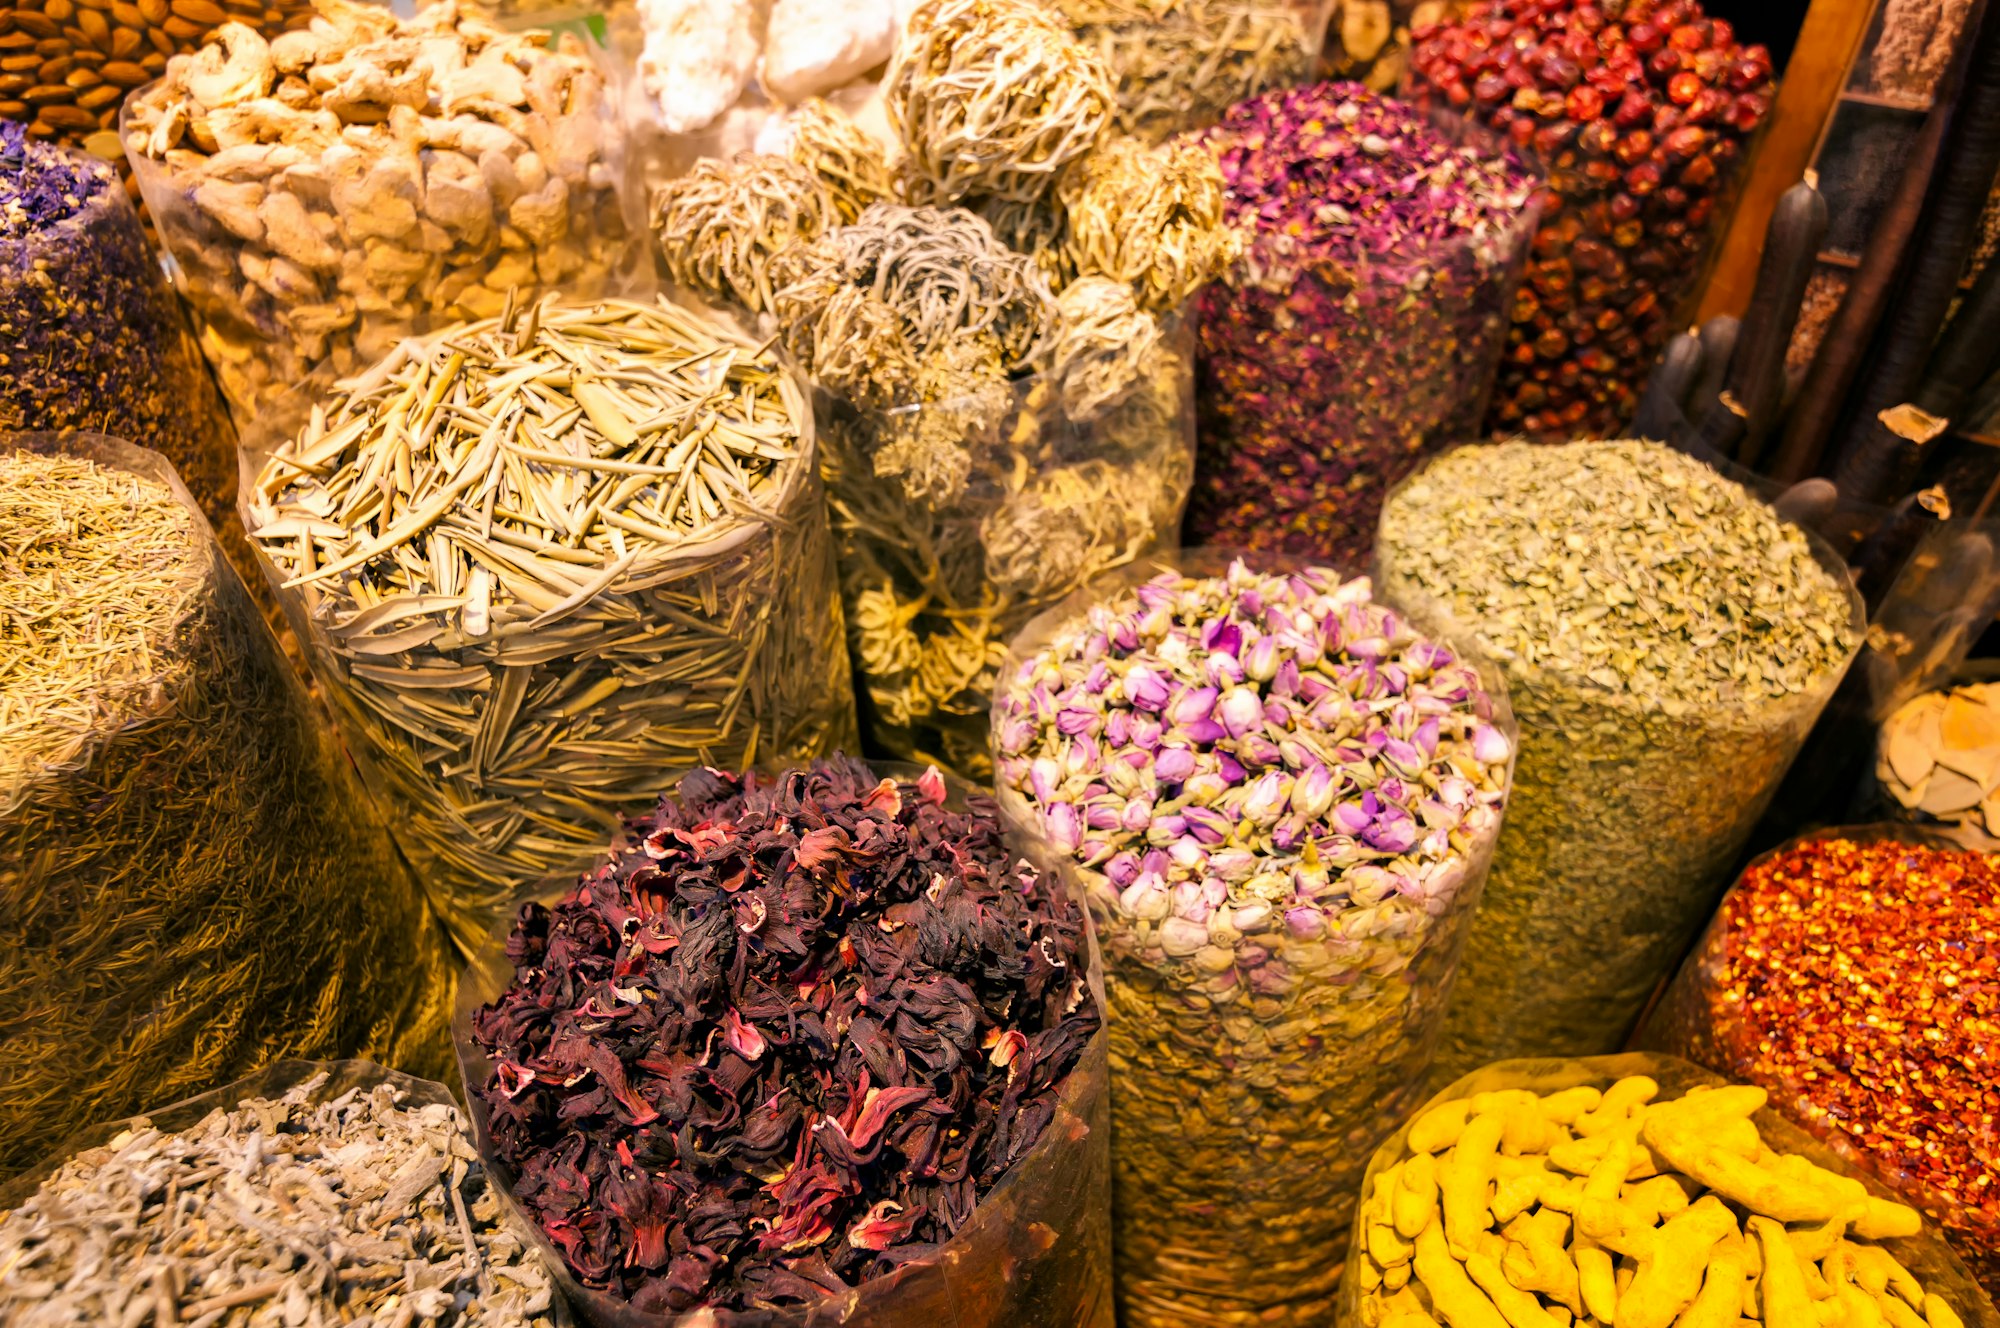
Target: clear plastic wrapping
{"x": 1324, "y": 380}
{"x": 958, "y": 520}
{"x": 1925, "y": 1256}
{"x": 191, "y": 880}
{"x": 1036, "y": 1251}
{"x": 1705, "y": 1017}
{"x": 1251, "y": 1083}
{"x": 1626, "y": 819}
{"x": 509, "y": 735}
{"x": 387, "y": 207}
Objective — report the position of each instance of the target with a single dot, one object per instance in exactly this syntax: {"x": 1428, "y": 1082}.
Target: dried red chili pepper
{"x": 1639, "y": 110}
{"x": 784, "y": 1043}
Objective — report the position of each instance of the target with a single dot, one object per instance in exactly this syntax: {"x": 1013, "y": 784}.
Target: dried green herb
{"x": 1668, "y": 642}
{"x": 718, "y": 227}
{"x": 191, "y": 883}
{"x": 542, "y": 559}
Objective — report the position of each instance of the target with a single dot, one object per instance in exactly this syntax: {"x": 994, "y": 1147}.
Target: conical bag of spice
{"x": 198, "y": 1212}
{"x": 1668, "y": 643}
{"x": 539, "y": 559}
{"x": 1278, "y": 803}
{"x": 1361, "y": 326}
{"x": 1639, "y": 111}
{"x": 191, "y": 882}
{"x": 1852, "y": 973}
{"x": 812, "y": 1048}
{"x": 1501, "y": 1201}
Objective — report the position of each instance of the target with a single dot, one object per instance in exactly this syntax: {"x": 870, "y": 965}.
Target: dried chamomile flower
{"x": 994, "y": 97}
{"x": 1150, "y": 217}
{"x": 1104, "y": 345}
{"x": 719, "y": 226}
{"x": 846, "y": 158}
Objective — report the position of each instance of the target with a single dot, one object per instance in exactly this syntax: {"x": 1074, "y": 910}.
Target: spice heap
{"x": 311, "y": 1208}
{"x": 333, "y": 191}
{"x": 1855, "y": 979}
{"x": 541, "y": 559}
{"x": 787, "y": 1042}
{"x": 1278, "y": 802}
{"x": 1940, "y": 760}
{"x": 87, "y": 57}
{"x": 1514, "y": 1207}
{"x": 93, "y": 337}
{"x": 1668, "y": 642}
{"x": 192, "y": 882}
{"x": 1638, "y": 111}
{"x": 1363, "y": 322}
{"x": 1179, "y": 64}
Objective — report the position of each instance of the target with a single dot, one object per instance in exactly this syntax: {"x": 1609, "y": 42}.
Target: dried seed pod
{"x": 719, "y": 226}
{"x": 994, "y": 97}
{"x": 844, "y": 156}
{"x": 1150, "y": 217}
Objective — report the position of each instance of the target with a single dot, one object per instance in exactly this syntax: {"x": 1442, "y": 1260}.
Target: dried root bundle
{"x": 1150, "y": 217}
{"x": 719, "y": 226}
{"x": 1104, "y": 346}
{"x": 841, "y": 153}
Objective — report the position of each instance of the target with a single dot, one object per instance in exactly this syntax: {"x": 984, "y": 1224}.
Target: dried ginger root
{"x": 1611, "y": 1209}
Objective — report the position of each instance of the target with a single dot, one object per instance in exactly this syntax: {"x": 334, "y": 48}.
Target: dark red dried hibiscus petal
{"x": 784, "y": 1044}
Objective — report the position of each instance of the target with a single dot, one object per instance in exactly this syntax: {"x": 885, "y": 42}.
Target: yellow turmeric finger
{"x": 1395, "y": 1279}
{"x": 1783, "y": 1286}
{"x": 1464, "y": 1179}
{"x": 1518, "y": 1307}
{"x": 1386, "y": 1247}
{"x": 1898, "y": 1314}
{"x": 1877, "y": 1269}
{"x": 1519, "y": 1189}
{"x": 1415, "y": 1199}
{"x": 1881, "y": 1220}
{"x": 1738, "y": 1180}
{"x": 1619, "y": 1102}
{"x": 1411, "y": 1319}
{"x": 1940, "y": 1315}
{"x": 1439, "y": 1128}
{"x": 1857, "y": 1308}
{"x": 1670, "y": 1274}
{"x": 1565, "y": 1107}
{"x": 1813, "y": 1244}
{"x": 1501, "y": 1101}
{"x": 1660, "y": 1197}
{"x": 1453, "y": 1296}
{"x": 1536, "y": 1260}
{"x": 1720, "y": 1300}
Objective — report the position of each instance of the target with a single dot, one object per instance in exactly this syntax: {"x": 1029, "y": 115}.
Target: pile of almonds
{"x": 367, "y": 178}
{"x": 66, "y": 65}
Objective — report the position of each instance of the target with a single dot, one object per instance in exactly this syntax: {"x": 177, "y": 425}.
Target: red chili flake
{"x": 1859, "y": 981}
{"x": 1682, "y": 97}
{"x": 784, "y": 1044}
{"x": 1364, "y": 322}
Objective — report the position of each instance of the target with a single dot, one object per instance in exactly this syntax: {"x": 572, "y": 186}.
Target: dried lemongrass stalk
{"x": 1105, "y": 346}
{"x": 193, "y": 883}
{"x": 1179, "y": 64}
{"x": 1150, "y": 217}
{"x": 993, "y": 98}
{"x": 847, "y": 160}
{"x": 718, "y": 226}
{"x": 940, "y": 270}
{"x": 543, "y": 561}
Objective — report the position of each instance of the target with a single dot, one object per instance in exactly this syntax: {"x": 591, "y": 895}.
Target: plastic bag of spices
{"x": 191, "y": 881}
{"x": 1850, "y": 973}
{"x": 1668, "y": 642}
{"x": 1640, "y": 116}
{"x": 610, "y": 559}
{"x": 373, "y": 1172}
{"x": 852, "y": 1093}
{"x": 1363, "y": 322}
{"x": 323, "y": 197}
{"x": 1279, "y": 804}
{"x": 1495, "y": 1194}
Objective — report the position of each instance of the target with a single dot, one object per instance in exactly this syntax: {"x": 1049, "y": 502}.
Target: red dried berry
{"x": 1683, "y": 88}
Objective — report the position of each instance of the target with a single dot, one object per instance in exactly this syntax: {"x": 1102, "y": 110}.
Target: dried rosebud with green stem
{"x": 1278, "y": 800}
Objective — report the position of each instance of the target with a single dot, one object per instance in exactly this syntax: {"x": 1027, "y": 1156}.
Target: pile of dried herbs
{"x": 785, "y": 1042}
{"x": 191, "y": 883}
{"x": 541, "y": 559}
{"x": 1363, "y": 322}
{"x": 1279, "y": 802}
{"x": 355, "y": 1197}
{"x": 1668, "y": 641}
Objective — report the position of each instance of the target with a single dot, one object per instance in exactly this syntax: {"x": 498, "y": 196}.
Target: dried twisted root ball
{"x": 925, "y": 277}
{"x": 1035, "y": 229}
{"x": 847, "y": 160}
{"x": 966, "y": 398}
{"x": 993, "y": 98}
{"x": 719, "y": 226}
{"x": 1104, "y": 345}
{"x": 1150, "y": 217}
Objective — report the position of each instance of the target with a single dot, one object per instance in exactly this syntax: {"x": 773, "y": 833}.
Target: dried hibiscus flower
{"x": 783, "y": 1043}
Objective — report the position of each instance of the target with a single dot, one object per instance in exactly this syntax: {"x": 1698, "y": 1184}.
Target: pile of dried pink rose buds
{"x": 1279, "y": 802}
{"x": 786, "y": 1042}
{"x": 1364, "y": 320}
{"x": 1639, "y": 110}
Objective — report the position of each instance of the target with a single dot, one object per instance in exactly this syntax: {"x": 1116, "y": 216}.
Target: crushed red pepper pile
{"x": 1859, "y": 982}
{"x": 784, "y": 1043}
